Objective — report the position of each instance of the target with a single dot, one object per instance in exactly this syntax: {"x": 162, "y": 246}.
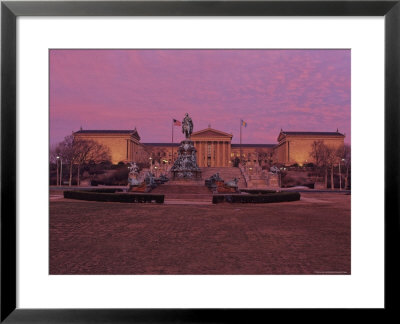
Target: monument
{"x": 134, "y": 183}
{"x": 185, "y": 167}
{"x": 273, "y": 179}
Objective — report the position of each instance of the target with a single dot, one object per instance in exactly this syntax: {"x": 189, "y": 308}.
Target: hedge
{"x": 257, "y": 199}
{"x": 113, "y": 197}
{"x": 104, "y": 190}
{"x": 257, "y": 191}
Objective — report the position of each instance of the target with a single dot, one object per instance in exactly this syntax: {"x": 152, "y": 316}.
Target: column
{"x": 202, "y": 153}
{"x": 227, "y": 158}
{"x": 217, "y": 154}
{"x": 287, "y": 152}
{"x": 212, "y": 153}
{"x": 205, "y": 153}
{"x": 195, "y": 144}
{"x": 224, "y": 154}
{"x": 220, "y": 153}
{"x": 131, "y": 150}
{"x": 200, "y": 159}
{"x": 228, "y": 153}
{"x": 198, "y": 153}
{"x": 222, "y": 157}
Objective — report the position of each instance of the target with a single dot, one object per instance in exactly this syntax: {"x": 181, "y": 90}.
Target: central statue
{"x": 185, "y": 166}
{"x": 187, "y": 126}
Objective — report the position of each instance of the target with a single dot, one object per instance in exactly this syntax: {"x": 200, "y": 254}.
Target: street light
{"x": 340, "y": 176}
{"x": 58, "y": 158}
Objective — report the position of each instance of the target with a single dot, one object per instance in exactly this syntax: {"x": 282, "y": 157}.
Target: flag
{"x": 243, "y": 123}
{"x": 177, "y": 123}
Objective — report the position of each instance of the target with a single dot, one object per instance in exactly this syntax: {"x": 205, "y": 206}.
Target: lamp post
{"x": 340, "y": 176}
{"x": 61, "y": 172}
{"x": 150, "y": 158}
{"x": 58, "y": 158}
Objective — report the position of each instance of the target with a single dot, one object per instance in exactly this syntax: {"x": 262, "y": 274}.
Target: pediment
{"x": 210, "y": 132}
{"x": 281, "y": 136}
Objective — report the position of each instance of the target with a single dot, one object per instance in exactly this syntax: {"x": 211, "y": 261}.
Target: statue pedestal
{"x": 185, "y": 168}
{"x": 273, "y": 180}
{"x": 138, "y": 188}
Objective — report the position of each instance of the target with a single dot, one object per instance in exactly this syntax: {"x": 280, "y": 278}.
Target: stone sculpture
{"x": 187, "y": 126}
{"x": 274, "y": 169}
{"x": 185, "y": 166}
{"x": 233, "y": 183}
{"x": 134, "y": 183}
{"x": 133, "y": 177}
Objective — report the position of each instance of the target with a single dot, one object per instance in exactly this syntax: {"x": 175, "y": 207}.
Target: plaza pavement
{"x": 310, "y": 236}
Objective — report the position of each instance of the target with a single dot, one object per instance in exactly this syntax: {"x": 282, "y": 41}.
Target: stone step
{"x": 226, "y": 174}
{"x": 189, "y": 197}
{"x": 171, "y": 189}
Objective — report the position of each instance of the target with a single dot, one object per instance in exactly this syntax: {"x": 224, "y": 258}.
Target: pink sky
{"x": 296, "y": 90}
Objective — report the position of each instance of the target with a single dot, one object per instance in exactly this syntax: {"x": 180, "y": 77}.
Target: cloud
{"x": 120, "y": 89}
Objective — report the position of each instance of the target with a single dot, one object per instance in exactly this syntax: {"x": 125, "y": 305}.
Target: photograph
{"x": 199, "y": 161}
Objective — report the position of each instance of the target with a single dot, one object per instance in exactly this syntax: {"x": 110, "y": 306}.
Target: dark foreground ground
{"x": 311, "y": 236}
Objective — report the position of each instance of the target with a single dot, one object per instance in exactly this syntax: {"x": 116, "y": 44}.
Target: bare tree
{"x": 54, "y": 152}
{"x": 149, "y": 153}
{"x": 65, "y": 150}
{"x": 86, "y": 151}
{"x": 318, "y": 154}
{"x": 262, "y": 156}
{"x": 332, "y": 159}
{"x": 78, "y": 152}
{"x": 325, "y": 158}
{"x": 344, "y": 154}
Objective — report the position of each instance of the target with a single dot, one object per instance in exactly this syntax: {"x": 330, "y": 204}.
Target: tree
{"x": 344, "y": 154}
{"x": 318, "y": 154}
{"x": 78, "y": 152}
{"x": 332, "y": 159}
{"x": 89, "y": 151}
{"x": 324, "y": 157}
{"x": 65, "y": 150}
{"x": 263, "y": 156}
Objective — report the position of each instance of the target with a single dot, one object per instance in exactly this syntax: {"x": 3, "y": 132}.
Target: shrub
{"x": 105, "y": 190}
{"x": 257, "y": 199}
{"x": 257, "y": 191}
{"x": 110, "y": 195}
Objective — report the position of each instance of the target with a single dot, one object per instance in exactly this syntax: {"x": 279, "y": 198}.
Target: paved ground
{"x": 311, "y": 236}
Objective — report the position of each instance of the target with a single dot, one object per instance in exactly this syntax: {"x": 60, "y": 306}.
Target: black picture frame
{"x": 10, "y": 10}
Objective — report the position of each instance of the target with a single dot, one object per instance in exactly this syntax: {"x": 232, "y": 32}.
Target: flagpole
{"x": 172, "y": 146}
{"x": 240, "y": 141}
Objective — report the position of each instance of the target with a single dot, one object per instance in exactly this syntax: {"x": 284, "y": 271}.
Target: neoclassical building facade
{"x": 124, "y": 145}
{"x": 214, "y": 147}
{"x": 296, "y": 147}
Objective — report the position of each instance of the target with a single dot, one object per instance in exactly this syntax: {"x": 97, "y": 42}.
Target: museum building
{"x": 214, "y": 147}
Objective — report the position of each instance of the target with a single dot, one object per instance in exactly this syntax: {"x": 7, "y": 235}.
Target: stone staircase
{"x": 184, "y": 192}
{"x": 225, "y": 173}
{"x": 196, "y": 191}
